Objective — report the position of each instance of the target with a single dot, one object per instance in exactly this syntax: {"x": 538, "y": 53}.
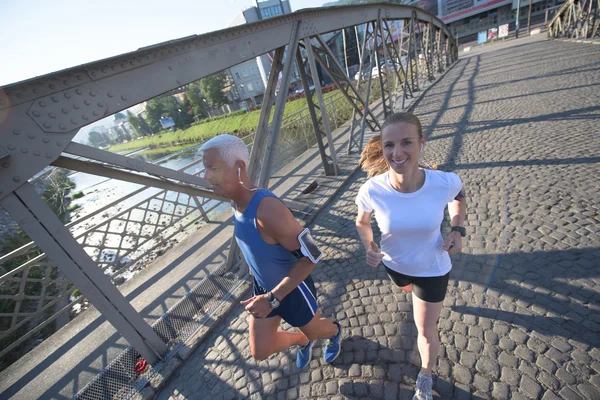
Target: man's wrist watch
{"x": 272, "y": 300}
{"x": 459, "y": 229}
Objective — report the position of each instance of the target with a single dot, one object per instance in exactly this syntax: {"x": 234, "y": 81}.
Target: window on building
{"x": 271, "y": 11}
{"x": 237, "y": 75}
{"x": 250, "y": 87}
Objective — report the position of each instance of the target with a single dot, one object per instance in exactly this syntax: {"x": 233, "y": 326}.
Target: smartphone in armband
{"x": 308, "y": 247}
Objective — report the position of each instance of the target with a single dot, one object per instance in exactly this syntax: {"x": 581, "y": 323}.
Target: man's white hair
{"x": 231, "y": 148}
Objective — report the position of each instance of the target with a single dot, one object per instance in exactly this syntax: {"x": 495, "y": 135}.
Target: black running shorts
{"x": 430, "y": 289}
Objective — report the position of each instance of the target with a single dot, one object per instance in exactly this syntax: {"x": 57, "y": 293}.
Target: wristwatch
{"x": 459, "y": 229}
{"x": 273, "y": 301}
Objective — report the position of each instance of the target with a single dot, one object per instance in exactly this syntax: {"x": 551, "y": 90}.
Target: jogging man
{"x": 281, "y": 255}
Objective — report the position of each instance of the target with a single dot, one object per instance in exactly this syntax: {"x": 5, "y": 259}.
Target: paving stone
{"x": 530, "y": 387}
{"x": 500, "y": 390}
{"x": 510, "y": 376}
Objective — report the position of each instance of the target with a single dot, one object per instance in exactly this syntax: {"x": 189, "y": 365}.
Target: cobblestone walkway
{"x": 521, "y": 126}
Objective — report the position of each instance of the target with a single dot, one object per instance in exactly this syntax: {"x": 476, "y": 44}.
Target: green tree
{"x": 167, "y": 106}
{"x": 98, "y": 140}
{"x": 212, "y": 88}
{"x": 139, "y": 125}
{"x": 154, "y": 112}
{"x": 119, "y": 117}
{"x": 194, "y": 96}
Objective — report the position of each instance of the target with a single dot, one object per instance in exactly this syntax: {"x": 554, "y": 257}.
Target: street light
{"x": 517, "y": 22}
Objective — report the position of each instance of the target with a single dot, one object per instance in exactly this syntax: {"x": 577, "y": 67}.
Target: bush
{"x": 77, "y": 195}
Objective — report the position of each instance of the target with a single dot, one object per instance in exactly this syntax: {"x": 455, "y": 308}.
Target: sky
{"x": 40, "y": 36}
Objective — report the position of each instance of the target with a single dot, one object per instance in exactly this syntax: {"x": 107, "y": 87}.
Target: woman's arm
{"x": 365, "y": 231}
{"x": 457, "y": 210}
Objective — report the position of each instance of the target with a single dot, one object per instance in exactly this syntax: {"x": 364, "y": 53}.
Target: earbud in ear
{"x": 421, "y": 147}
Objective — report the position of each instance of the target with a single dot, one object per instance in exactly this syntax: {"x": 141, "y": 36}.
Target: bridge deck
{"x": 520, "y": 123}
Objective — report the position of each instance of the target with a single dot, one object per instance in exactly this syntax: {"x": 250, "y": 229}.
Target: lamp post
{"x": 517, "y": 21}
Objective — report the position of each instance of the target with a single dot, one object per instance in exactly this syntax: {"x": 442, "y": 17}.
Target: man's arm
{"x": 277, "y": 225}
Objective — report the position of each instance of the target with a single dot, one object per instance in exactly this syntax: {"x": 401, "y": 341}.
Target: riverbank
{"x": 242, "y": 124}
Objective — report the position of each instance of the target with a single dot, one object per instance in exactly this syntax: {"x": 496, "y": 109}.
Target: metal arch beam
{"x": 342, "y": 82}
{"x": 353, "y": 140}
{"x": 106, "y": 171}
{"x": 265, "y": 173}
{"x": 46, "y": 112}
{"x": 328, "y": 165}
{"x": 133, "y": 164}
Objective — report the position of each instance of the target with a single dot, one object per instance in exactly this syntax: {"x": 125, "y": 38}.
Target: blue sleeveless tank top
{"x": 269, "y": 263}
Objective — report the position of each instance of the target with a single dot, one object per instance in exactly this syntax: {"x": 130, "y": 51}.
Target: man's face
{"x": 218, "y": 173}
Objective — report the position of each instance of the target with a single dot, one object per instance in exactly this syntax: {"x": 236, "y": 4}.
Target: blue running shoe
{"x": 304, "y": 355}
{"x": 333, "y": 346}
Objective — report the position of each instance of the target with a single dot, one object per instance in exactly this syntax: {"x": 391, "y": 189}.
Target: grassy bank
{"x": 240, "y": 125}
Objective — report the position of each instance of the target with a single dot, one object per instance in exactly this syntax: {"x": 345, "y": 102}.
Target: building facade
{"x": 250, "y": 77}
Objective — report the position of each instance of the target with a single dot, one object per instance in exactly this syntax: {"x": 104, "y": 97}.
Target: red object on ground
{"x": 140, "y": 366}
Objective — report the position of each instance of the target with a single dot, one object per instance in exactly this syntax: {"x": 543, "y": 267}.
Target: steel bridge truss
{"x": 40, "y": 117}
{"x": 577, "y": 20}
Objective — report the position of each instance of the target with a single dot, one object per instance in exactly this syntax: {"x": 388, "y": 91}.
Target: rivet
{"x": 67, "y": 95}
{"x": 36, "y": 114}
{"x": 5, "y": 165}
{"x": 48, "y": 155}
{"x": 19, "y": 95}
{"x": 79, "y": 77}
{"x": 103, "y": 70}
{"x": 92, "y": 93}
{"x": 47, "y": 125}
{"x": 16, "y": 132}
{"x": 16, "y": 179}
{"x": 34, "y": 90}
{"x": 59, "y": 143}
{"x": 24, "y": 150}
{"x": 74, "y": 122}
{"x": 42, "y": 104}
{"x": 100, "y": 104}
{"x": 86, "y": 102}
{"x": 51, "y": 86}
{"x": 170, "y": 68}
{"x": 109, "y": 94}
{"x": 76, "y": 106}
{"x": 62, "y": 126}
{"x": 93, "y": 73}
{"x": 31, "y": 136}
{"x": 124, "y": 98}
{"x": 36, "y": 153}
{"x": 52, "y": 115}
{"x": 122, "y": 65}
{"x": 65, "y": 111}
{"x": 11, "y": 147}
{"x": 78, "y": 91}
{"x": 46, "y": 140}
{"x": 113, "y": 68}
{"x": 95, "y": 113}
{"x": 55, "y": 99}
{"x": 131, "y": 62}
{"x": 66, "y": 82}
{"x": 84, "y": 117}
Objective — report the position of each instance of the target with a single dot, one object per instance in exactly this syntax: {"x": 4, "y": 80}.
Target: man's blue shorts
{"x": 297, "y": 308}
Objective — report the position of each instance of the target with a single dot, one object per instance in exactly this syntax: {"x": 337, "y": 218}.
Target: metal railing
{"x": 577, "y": 20}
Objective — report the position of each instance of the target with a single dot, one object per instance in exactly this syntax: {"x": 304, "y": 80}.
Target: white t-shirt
{"x": 411, "y": 240}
